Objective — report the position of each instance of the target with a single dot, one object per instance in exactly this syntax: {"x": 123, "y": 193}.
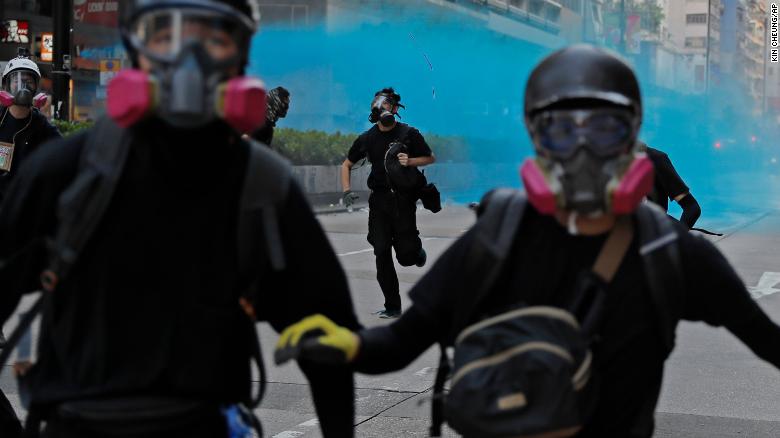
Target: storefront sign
{"x": 99, "y": 12}
{"x": 15, "y": 31}
{"x": 47, "y": 47}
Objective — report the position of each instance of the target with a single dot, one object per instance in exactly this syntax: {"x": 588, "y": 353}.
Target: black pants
{"x": 10, "y": 427}
{"x": 392, "y": 223}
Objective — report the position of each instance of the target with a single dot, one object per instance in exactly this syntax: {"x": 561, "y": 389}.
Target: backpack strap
{"x": 82, "y": 205}
{"x": 661, "y": 260}
{"x": 266, "y": 186}
{"x": 496, "y": 228}
{"x": 80, "y": 210}
{"x": 495, "y": 232}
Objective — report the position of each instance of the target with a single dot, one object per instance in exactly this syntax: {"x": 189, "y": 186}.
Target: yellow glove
{"x": 334, "y": 344}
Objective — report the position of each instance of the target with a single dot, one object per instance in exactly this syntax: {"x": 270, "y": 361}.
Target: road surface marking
{"x": 288, "y": 434}
{"x": 766, "y": 285}
{"x": 311, "y": 423}
{"x": 423, "y": 371}
{"x": 371, "y": 249}
{"x": 356, "y": 252}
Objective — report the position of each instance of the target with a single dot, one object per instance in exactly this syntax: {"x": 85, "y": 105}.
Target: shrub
{"x": 68, "y": 128}
{"x": 320, "y": 148}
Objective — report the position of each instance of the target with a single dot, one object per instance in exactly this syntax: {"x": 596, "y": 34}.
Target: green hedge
{"x": 321, "y": 148}
{"x": 68, "y": 128}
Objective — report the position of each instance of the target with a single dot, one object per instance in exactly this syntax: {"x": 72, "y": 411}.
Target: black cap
{"x": 582, "y": 72}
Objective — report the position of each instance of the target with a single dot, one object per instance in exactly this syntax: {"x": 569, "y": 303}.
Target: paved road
{"x": 714, "y": 386}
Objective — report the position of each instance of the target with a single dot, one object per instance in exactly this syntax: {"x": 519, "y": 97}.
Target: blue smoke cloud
{"x": 458, "y": 78}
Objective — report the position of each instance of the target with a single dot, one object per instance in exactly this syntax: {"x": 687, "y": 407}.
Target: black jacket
{"x": 151, "y": 307}
{"x": 543, "y": 268}
{"x": 27, "y": 141}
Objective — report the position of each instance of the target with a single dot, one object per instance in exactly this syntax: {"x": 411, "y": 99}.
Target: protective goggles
{"x": 20, "y": 80}
{"x": 163, "y": 34}
{"x": 604, "y": 132}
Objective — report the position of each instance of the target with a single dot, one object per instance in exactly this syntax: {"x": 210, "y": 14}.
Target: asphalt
{"x": 713, "y": 385}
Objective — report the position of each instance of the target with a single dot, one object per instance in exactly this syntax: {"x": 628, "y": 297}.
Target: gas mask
{"x": 19, "y": 89}
{"x": 192, "y": 54}
{"x": 382, "y": 110}
{"x": 587, "y": 162}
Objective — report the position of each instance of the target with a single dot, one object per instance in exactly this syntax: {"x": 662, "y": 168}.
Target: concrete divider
{"x": 450, "y": 177}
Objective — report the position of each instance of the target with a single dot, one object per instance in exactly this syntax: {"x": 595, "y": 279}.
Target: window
{"x": 696, "y": 18}
{"x": 696, "y": 42}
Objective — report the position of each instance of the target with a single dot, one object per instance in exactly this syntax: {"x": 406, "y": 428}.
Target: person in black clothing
{"x": 392, "y": 220}
{"x": 277, "y": 107}
{"x": 579, "y": 123}
{"x": 21, "y": 124}
{"x": 151, "y": 307}
{"x": 22, "y": 130}
{"x": 668, "y": 185}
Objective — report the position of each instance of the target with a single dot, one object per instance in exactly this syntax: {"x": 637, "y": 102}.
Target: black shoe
{"x": 388, "y": 314}
{"x": 422, "y": 258}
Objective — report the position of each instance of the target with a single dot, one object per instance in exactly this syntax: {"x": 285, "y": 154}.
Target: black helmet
{"x": 245, "y": 12}
{"x": 582, "y": 72}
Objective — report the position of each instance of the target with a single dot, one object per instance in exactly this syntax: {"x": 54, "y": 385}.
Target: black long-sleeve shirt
{"x": 542, "y": 268}
{"x": 26, "y": 135}
{"x": 151, "y": 307}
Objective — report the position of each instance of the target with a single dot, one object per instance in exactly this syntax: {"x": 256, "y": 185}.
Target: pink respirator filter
{"x": 130, "y": 97}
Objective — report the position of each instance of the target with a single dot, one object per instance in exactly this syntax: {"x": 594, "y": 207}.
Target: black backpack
{"x": 404, "y": 179}
{"x": 82, "y": 205}
{"x": 525, "y": 372}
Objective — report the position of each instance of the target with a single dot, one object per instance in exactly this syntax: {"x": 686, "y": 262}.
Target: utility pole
{"x": 62, "y": 14}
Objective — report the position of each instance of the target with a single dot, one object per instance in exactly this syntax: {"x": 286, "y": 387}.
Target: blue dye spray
{"x": 458, "y": 78}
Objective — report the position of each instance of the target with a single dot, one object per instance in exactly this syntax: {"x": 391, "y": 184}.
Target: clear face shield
{"x": 22, "y": 85}
{"x": 383, "y": 110}
{"x": 164, "y": 35}
{"x": 193, "y": 52}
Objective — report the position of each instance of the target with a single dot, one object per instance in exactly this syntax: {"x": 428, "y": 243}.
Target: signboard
{"x": 108, "y": 69}
{"x": 15, "y": 31}
{"x": 47, "y": 47}
{"x": 99, "y": 12}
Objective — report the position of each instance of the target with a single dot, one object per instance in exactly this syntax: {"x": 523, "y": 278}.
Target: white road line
{"x": 766, "y": 285}
{"x": 288, "y": 434}
{"x": 423, "y": 371}
{"x": 311, "y": 423}
{"x": 355, "y": 252}
{"x": 371, "y": 249}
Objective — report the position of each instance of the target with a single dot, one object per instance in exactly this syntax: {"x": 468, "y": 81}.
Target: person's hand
{"x": 349, "y": 197}
{"x": 403, "y": 159}
{"x": 319, "y": 339}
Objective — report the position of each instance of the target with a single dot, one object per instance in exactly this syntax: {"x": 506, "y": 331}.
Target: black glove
{"x": 349, "y": 198}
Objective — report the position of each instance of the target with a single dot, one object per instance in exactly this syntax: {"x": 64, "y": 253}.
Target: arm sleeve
{"x": 418, "y": 147}
{"x": 669, "y": 178}
{"x": 691, "y": 210}
{"x": 28, "y": 216}
{"x": 393, "y": 347}
{"x": 717, "y": 296}
{"x": 51, "y": 132}
{"x": 357, "y": 152}
{"x": 313, "y": 282}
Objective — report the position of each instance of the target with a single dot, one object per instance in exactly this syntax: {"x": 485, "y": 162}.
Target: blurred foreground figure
{"x": 169, "y": 236}
{"x": 562, "y": 306}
